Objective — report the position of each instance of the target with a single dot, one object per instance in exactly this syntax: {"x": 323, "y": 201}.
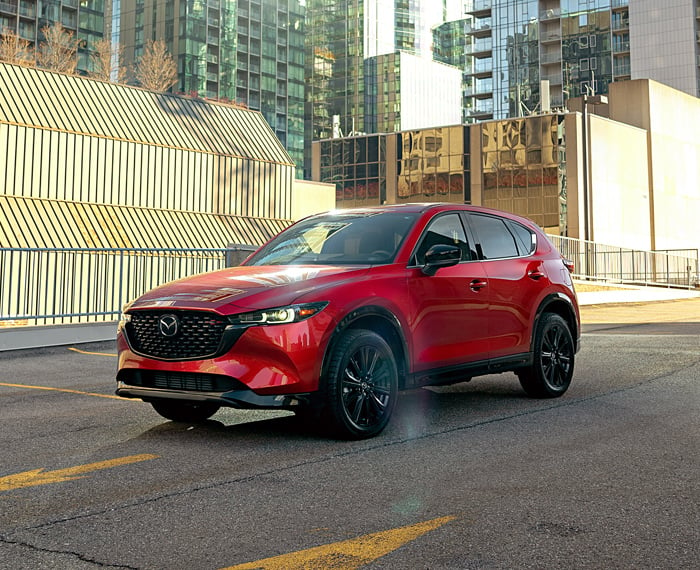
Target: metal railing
{"x": 594, "y": 261}
{"x": 64, "y": 286}
{"x": 61, "y": 286}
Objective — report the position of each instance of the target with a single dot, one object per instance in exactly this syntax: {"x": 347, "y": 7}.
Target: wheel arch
{"x": 559, "y": 304}
{"x": 378, "y": 320}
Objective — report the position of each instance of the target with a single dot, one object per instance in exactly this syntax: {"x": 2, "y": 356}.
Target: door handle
{"x": 535, "y": 274}
{"x": 477, "y": 284}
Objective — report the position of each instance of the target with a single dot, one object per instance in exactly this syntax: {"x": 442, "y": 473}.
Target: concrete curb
{"x": 18, "y": 338}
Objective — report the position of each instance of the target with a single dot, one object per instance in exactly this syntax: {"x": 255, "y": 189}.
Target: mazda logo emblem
{"x": 168, "y": 325}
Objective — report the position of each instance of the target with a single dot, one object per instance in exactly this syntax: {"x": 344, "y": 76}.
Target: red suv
{"x": 340, "y": 311}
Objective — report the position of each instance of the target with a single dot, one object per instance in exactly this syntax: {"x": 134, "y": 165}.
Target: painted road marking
{"x": 348, "y": 554}
{"x": 92, "y": 353}
{"x": 41, "y": 477}
{"x": 29, "y": 386}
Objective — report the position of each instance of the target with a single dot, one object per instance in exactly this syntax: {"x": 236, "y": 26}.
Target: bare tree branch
{"x": 16, "y": 50}
{"x": 59, "y": 50}
{"x": 107, "y": 61}
{"x": 156, "y": 70}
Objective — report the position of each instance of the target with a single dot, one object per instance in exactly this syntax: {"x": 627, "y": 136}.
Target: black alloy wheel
{"x": 553, "y": 367}
{"x": 185, "y": 411}
{"x": 361, "y": 384}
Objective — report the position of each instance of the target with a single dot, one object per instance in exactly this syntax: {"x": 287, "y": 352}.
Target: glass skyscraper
{"x": 571, "y": 48}
{"x": 247, "y": 51}
{"x": 353, "y": 62}
{"x": 84, "y": 18}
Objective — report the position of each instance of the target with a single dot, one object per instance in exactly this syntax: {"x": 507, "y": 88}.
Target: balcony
{"x": 480, "y": 90}
{"x": 8, "y": 7}
{"x": 621, "y": 69}
{"x": 480, "y": 49}
{"x": 481, "y": 8}
{"x": 620, "y": 24}
{"x": 551, "y": 57}
{"x": 480, "y": 28}
{"x": 621, "y": 47}
{"x": 553, "y": 78}
{"x": 27, "y": 10}
{"x": 551, "y": 14}
{"x": 481, "y": 112}
{"x": 550, "y": 37}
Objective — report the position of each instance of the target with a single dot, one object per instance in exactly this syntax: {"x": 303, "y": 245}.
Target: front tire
{"x": 184, "y": 411}
{"x": 361, "y": 385}
{"x": 553, "y": 367}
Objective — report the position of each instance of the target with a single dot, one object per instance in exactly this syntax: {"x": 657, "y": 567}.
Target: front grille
{"x": 190, "y": 381}
{"x": 199, "y": 334}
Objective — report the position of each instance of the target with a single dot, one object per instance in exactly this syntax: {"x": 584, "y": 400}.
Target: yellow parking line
{"x": 40, "y": 477}
{"x": 92, "y": 353}
{"x": 29, "y": 386}
{"x": 349, "y": 554}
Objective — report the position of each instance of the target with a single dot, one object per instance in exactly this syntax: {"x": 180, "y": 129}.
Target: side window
{"x": 447, "y": 230}
{"x": 524, "y": 238}
{"x": 496, "y": 240}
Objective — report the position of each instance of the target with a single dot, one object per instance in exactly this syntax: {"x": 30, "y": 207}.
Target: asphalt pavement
{"x": 473, "y": 475}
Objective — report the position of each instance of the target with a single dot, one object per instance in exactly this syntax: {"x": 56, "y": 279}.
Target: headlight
{"x": 124, "y": 317}
{"x": 278, "y": 315}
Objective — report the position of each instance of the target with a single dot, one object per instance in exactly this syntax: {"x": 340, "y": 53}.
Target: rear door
{"x": 516, "y": 280}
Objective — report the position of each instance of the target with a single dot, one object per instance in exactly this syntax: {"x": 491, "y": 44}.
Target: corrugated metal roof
{"x": 43, "y": 99}
{"x": 43, "y": 223}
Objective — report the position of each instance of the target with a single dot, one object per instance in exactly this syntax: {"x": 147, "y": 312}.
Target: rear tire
{"x": 184, "y": 411}
{"x": 361, "y": 385}
{"x": 553, "y": 367}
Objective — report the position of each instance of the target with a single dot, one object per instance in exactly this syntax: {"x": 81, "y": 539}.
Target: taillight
{"x": 568, "y": 264}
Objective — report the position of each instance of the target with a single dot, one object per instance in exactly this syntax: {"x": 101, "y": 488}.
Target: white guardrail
{"x": 52, "y": 286}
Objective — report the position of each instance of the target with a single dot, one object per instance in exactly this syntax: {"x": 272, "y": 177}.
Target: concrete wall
{"x": 619, "y": 183}
{"x": 675, "y": 154}
{"x": 672, "y": 121}
{"x": 311, "y": 198}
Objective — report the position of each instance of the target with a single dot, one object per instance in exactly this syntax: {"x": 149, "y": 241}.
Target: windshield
{"x": 338, "y": 239}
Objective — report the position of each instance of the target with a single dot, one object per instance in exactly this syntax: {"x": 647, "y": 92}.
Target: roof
{"x": 76, "y": 104}
{"x": 44, "y": 223}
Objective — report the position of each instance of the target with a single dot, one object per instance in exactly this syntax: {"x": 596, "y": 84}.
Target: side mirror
{"x": 441, "y": 255}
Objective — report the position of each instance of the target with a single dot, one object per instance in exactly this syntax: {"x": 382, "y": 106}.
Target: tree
{"x": 59, "y": 50}
{"x": 16, "y": 50}
{"x": 156, "y": 69}
{"x": 106, "y": 62}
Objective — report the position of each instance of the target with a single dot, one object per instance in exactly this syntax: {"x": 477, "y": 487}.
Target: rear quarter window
{"x": 525, "y": 239}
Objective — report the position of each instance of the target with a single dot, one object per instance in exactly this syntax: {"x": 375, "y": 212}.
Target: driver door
{"x": 450, "y": 308}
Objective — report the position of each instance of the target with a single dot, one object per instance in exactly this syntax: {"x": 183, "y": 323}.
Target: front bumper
{"x": 242, "y": 399}
{"x": 267, "y": 367}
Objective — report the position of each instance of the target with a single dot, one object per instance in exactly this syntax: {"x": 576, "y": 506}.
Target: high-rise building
{"x": 527, "y": 54}
{"x": 357, "y": 67}
{"x": 247, "y": 51}
{"x": 452, "y": 44}
{"x": 89, "y": 21}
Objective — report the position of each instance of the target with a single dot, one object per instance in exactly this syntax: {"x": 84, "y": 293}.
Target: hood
{"x": 245, "y": 288}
